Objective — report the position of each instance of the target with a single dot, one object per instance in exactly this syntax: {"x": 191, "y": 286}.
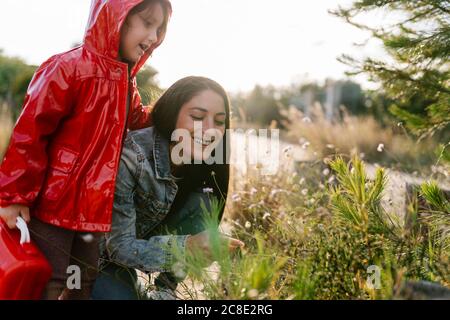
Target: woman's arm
{"x": 153, "y": 255}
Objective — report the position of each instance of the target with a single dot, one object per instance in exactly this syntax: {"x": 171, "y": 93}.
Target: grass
{"x": 312, "y": 237}
{"x": 315, "y": 233}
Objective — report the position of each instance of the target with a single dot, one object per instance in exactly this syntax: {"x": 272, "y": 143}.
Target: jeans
{"x": 116, "y": 282}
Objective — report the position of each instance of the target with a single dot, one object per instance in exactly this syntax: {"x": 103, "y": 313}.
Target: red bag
{"x": 24, "y": 271}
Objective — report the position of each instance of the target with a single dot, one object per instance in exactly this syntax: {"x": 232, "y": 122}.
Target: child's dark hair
{"x": 167, "y": 9}
{"x": 165, "y": 114}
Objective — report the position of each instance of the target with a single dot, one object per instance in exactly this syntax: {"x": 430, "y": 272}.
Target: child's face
{"x": 207, "y": 110}
{"x": 140, "y": 32}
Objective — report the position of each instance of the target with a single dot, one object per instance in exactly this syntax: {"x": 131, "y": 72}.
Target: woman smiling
{"x": 156, "y": 191}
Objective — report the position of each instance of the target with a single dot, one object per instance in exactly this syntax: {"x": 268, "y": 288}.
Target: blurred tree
{"x": 352, "y": 97}
{"x": 262, "y": 107}
{"x": 147, "y": 85}
{"x": 15, "y": 76}
{"x": 417, "y": 79}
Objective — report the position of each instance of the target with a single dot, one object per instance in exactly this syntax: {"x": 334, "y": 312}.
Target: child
{"x": 62, "y": 160}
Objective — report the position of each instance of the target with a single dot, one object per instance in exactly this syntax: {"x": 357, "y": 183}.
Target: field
{"x": 322, "y": 228}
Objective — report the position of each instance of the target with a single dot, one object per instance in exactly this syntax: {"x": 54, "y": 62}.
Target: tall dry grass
{"x": 361, "y": 136}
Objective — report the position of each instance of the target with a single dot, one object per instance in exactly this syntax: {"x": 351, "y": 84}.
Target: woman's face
{"x": 202, "y": 121}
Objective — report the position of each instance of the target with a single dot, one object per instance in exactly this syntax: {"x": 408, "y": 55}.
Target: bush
{"x": 327, "y": 248}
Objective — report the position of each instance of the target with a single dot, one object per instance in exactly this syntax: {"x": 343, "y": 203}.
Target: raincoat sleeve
{"x": 141, "y": 115}
{"x": 158, "y": 253}
{"x": 24, "y": 165}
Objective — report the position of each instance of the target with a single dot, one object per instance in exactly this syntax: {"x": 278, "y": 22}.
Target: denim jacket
{"x": 145, "y": 191}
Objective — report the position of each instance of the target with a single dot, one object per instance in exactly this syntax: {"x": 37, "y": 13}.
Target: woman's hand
{"x": 201, "y": 242}
{"x": 10, "y": 214}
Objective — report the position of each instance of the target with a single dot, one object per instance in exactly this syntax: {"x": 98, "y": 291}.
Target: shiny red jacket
{"x": 64, "y": 151}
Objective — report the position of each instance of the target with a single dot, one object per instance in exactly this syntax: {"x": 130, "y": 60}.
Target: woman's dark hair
{"x": 165, "y": 114}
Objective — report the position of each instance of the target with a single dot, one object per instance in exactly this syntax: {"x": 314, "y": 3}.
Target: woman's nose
{"x": 208, "y": 124}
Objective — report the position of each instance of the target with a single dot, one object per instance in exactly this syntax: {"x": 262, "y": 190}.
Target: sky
{"x": 239, "y": 43}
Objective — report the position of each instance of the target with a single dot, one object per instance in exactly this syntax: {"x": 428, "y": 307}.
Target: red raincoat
{"x": 64, "y": 151}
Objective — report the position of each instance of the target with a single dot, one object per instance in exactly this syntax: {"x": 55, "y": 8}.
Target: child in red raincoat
{"x": 61, "y": 163}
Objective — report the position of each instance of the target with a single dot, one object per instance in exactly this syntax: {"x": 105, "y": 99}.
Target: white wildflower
{"x": 380, "y": 147}
{"x": 178, "y": 270}
{"x": 326, "y": 172}
{"x": 287, "y": 149}
{"x": 266, "y": 215}
{"x": 274, "y": 192}
{"x": 248, "y": 225}
{"x": 253, "y": 293}
{"x": 304, "y": 192}
{"x": 235, "y": 197}
{"x": 306, "y": 145}
{"x": 88, "y": 237}
{"x": 208, "y": 190}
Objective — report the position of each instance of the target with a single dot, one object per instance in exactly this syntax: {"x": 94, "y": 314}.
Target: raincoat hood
{"x": 104, "y": 25}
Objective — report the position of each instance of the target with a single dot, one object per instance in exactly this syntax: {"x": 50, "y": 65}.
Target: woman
{"x": 160, "y": 186}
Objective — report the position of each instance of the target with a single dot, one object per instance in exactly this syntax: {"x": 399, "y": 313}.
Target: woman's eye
{"x": 220, "y": 123}
{"x": 197, "y": 118}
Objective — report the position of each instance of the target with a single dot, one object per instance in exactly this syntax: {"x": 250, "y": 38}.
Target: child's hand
{"x": 10, "y": 214}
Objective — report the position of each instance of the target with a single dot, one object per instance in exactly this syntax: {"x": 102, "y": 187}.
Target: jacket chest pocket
{"x": 61, "y": 164}
{"x": 152, "y": 211}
